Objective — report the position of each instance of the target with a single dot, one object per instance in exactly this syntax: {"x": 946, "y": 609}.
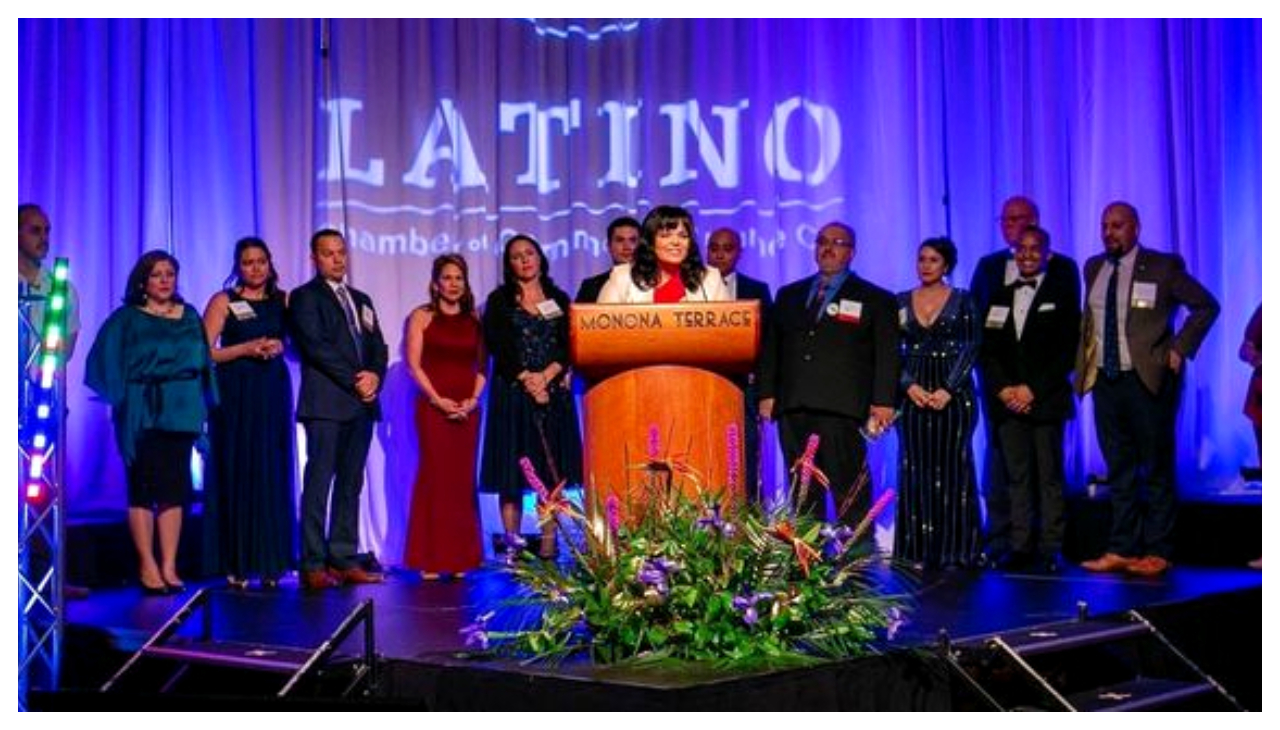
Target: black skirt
{"x": 160, "y": 475}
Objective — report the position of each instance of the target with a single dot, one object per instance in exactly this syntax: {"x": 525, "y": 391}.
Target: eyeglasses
{"x": 841, "y": 242}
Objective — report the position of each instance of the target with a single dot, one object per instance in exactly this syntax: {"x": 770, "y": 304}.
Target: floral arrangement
{"x": 693, "y": 578}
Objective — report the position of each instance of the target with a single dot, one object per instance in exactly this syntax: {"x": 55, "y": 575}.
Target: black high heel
{"x": 161, "y": 590}
{"x": 174, "y": 587}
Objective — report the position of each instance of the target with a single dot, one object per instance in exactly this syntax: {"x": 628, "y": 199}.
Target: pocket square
{"x": 1046, "y": 307}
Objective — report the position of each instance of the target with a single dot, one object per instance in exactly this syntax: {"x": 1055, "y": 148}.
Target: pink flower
{"x": 611, "y": 513}
{"x": 874, "y": 512}
{"x": 654, "y": 445}
{"x": 733, "y": 453}
{"x": 807, "y": 469}
{"x": 531, "y": 476}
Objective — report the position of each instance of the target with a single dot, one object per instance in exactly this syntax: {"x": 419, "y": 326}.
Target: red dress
{"x": 444, "y": 521}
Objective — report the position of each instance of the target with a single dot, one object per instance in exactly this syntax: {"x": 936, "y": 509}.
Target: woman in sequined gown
{"x": 531, "y": 409}
{"x": 938, "y": 519}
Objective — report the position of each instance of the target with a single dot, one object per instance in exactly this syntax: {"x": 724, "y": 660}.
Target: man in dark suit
{"x": 993, "y": 273}
{"x": 724, "y": 248}
{"x": 623, "y": 235}
{"x": 1131, "y": 359}
{"x": 1028, "y": 352}
{"x": 830, "y": 365}
{"x": 344, "y": 361}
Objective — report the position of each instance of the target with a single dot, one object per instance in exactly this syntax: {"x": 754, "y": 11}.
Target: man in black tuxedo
{"x": 995, "y": 271}
{"x": 1028, "y": 352}
{"x": 623, "y": 235}
{"x": 344, "y": 361}
{"x": 830, "y": 365}
{"x": 1131, "y": 358}
{"x": 724, "y": 248}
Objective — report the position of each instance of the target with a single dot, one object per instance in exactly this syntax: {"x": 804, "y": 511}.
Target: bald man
{"x": 1131, "y": 358}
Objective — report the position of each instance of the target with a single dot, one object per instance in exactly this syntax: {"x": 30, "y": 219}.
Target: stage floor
{"x": 417, "y": 623}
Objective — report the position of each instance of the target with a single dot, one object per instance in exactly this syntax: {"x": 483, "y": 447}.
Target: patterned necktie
{"x": 819, "y": 298}
{"x": 1111, "y": 327}
{"x": 345, "y": 297}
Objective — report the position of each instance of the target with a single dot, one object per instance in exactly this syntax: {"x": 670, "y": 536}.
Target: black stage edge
{"x": 1213, "y": 615}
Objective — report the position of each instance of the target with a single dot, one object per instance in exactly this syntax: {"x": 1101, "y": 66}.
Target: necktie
{"x": 345, "y": 297}
{"x": 820, "y": 298}
{"x": 1111, "y": 327}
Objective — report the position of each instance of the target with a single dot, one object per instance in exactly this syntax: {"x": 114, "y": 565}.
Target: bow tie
{"x": 1024, "y": 282}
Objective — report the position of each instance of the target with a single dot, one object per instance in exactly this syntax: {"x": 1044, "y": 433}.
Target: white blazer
{"x": 620, "y": 289}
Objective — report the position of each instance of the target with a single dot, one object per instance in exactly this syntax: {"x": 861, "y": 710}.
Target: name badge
{"x": 1144, "y": 295}
{"x": 1047, "y": 307}
{"x": 549, "y": 309}
{"x": 849, "y": 311}
{"x": 902, "y": 317}
{"x": 996, "y": 317}
{"x": 241, "y": 310}
{"x": 368, "y": 318}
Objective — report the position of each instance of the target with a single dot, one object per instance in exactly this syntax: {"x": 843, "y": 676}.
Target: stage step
{"x": 253, "y": 657}
{"x": 1059, "y": 637}
{"x": 1142, "y": 693}
{"x": 1116, "y": 663}
{"x": 169, "y": 663}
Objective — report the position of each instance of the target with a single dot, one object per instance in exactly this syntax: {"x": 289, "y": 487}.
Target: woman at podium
{"x": 667, "y": 267}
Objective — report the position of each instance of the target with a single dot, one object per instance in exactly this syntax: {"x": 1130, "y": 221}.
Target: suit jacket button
{"x": 807, "y": 358}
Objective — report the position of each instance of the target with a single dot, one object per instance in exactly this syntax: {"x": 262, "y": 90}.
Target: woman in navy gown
{"x": 249, "y": 521}
{"x": 938, "y": 518}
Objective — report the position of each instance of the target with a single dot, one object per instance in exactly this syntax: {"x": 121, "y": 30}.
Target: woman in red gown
{"x": 444, "y": 348}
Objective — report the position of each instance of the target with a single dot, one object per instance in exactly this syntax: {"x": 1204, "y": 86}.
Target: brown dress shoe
{"x": 1149, "y": 566}
{"x": 316, "y": 580}
{"x": 1109, "y": 563}
{"x": 354, "y": 576}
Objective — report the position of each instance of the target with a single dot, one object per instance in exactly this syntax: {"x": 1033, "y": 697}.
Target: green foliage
{"x": 690, "y": 580}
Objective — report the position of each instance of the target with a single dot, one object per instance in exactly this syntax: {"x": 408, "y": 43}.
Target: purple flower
{"x": 711, "y": 520}
{"x": 654, "y": 444}
{"x": 655, "y": 573}
{"x": 747, "y": 606}
{"x": 836, "y": 539}
{"x": 897, "y": 619}
{"x": 477, "y": 634}
{"x": 748, "y": 609}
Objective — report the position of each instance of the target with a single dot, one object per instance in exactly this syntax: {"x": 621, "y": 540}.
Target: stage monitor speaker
{"x": 1116, "y": 663}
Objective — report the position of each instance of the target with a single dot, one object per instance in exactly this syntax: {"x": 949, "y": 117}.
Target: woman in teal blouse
{"x": 151, "y": 362}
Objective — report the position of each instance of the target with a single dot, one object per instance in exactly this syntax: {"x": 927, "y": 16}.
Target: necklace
{"x": 161, "y": 310}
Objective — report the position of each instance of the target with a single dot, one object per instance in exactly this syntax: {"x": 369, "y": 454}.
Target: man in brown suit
{"x": 1131, "y": 359}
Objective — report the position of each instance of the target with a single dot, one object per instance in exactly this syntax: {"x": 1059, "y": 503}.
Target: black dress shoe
{"x": 990, "y": 559}
{"x": 1015, "y": 562}
{"x": 1053, "y": 564}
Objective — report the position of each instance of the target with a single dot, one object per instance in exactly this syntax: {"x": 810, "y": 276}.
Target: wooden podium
{"x": 658, "y": 374}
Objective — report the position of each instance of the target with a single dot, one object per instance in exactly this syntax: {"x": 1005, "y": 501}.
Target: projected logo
{"x": 587, "y": 29}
